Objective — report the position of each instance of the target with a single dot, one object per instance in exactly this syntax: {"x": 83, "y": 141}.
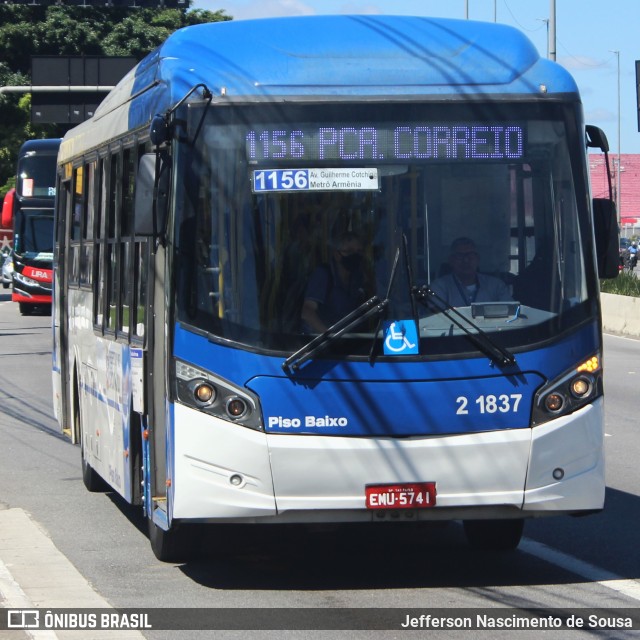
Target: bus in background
{"x": 220, "y": 187}
{"x": 28, "y": 210}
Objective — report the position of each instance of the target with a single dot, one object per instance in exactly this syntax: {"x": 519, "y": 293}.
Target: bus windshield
{"x": 275, "y": 199}
{"x": 35, "y": 234}
{"x": 37, "y": 176}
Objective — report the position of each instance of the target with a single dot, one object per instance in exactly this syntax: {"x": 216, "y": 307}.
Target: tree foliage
{"x": 36, "y": 30}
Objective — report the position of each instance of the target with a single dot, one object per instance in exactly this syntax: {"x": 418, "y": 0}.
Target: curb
{"x": 35, "y": 574}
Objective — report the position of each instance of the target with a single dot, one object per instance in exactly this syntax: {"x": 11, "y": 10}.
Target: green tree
{"x": 33, "y": 30}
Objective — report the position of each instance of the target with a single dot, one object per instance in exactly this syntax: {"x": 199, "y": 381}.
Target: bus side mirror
{"x": 605, "y": 226}
{"x": 7, "y": 209}
{"x": 596, "y": 138}
{"x": 159, "y": 132}
{"x": 152, "y": 195}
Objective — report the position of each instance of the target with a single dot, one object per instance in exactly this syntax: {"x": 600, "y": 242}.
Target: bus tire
{"x": 25, "y": 309}
{"x": 177, "y": 544}
{"x": 92, "y": 481}
{"x": 494, "y": 535}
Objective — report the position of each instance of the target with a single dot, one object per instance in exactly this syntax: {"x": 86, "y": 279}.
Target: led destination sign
{"x": 387, "y": 143}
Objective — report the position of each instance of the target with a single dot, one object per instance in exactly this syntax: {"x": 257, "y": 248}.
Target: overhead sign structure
{"x": 72, "y": 107}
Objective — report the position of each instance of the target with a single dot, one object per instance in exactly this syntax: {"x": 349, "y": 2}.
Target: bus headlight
{"x": 554, "y": 402}
{"x": 204, "y": 391}
{"x": 25, "y": 280}
{"x": 581, "y": 386}
{"x": 575, "y": 388}
{"x": 236, "y": 407}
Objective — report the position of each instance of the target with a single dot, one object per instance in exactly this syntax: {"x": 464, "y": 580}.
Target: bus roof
{"x": 40, "y": 145}
{"x": 325, "y": 57}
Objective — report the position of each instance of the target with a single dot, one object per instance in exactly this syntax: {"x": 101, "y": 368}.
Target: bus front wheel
{"x": 494, "y": 535}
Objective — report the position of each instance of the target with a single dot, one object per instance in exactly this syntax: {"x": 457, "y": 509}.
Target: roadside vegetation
{"x": 37, "y": 30}
{"x": 626, "y": 284}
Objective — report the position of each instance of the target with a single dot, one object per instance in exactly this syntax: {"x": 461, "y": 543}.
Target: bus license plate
{"x": 414, "y": 495}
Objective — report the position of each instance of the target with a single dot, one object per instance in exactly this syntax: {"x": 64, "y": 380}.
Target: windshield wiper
{"x": 480, "y": 338}
{"x": 394, "y": 269}
{"x": 376, "y": 306}
{"x": 367, "y": 309}
{"x": 392, "y": 277}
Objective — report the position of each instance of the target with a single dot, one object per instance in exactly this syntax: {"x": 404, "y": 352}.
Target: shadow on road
{"x": 378, "y": 556}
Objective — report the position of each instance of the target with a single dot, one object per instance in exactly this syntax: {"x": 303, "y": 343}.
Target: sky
{"x": 597, "y": 41}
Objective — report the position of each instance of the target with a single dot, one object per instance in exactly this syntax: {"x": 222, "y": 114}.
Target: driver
{"x": 337, "y": 288}
{"x": 465, "y": 285}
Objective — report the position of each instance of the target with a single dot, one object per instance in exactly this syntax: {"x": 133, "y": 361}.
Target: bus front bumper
{"x": 224, "y": 472}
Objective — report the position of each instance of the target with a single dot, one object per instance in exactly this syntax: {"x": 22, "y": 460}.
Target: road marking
{"x": 629, "y": 588}
{"x": 615, "y": 335}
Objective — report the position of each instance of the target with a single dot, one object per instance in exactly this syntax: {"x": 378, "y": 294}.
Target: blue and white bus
{"x": 219, "y": 178}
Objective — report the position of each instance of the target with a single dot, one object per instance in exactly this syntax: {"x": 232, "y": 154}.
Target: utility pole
{"x": 618, "y": 187}
{"x": 552, "y": 30}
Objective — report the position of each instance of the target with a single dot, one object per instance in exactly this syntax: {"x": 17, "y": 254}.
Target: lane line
{"x": 591, "y": 572}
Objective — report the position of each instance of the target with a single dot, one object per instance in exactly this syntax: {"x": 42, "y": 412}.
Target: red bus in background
{"x": 28, "y": 210}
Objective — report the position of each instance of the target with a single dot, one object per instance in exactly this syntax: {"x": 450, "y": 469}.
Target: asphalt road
{"x": 562, "y": 562}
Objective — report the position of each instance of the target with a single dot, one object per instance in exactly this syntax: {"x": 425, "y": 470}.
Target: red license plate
{"x": 412, "y": 495}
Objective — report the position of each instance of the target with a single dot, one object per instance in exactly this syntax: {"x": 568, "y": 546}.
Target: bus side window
{"x": 112, "y": 246}
{"x": 101, "y": 185}
{"x": 140, "y": 253}
{"x": 88, "y": 230}
{"x": 126, "y": 241}
{"x": 77, "y": 209}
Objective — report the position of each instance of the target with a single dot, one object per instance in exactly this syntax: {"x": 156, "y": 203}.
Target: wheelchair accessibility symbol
{"x": 400, "y": 338}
